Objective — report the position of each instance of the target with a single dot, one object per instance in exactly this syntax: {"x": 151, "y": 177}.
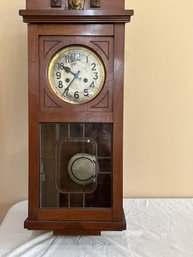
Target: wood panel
{"x": 103, "y": 31}
{"x": 33, "y": 78}
{"x": 45, "y": 4}
{"x": 76, "y": 30}
{"x": 83, "y": 215}
{"x": 75, "y": 225}
{"x": 55, "y": 116}
{"x": 74, "y": 16}
{"x": 103, "y": 46}
{"x": 118, "y": 124}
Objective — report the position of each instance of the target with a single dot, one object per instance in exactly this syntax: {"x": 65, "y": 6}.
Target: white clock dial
{"x": 76, "y": 74}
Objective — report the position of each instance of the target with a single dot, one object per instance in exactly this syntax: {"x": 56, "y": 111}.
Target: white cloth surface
{"x": 155, "y": 228}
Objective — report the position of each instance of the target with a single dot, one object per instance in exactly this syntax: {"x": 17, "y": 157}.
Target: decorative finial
{"x": 76, "y": 4}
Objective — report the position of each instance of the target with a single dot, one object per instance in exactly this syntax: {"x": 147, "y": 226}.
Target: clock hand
{"x": 76, "y": 76}
{"x": 67, "y": 88}
{"x": 68, "y": 70}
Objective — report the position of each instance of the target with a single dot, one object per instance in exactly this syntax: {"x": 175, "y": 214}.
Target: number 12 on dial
{"x": 76, "y": 74}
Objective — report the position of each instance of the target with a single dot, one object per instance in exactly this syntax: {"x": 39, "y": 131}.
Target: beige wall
{"x": 13, "y": 105}
{"x": 159, "y": 99}
{"x": 158, "y": 136}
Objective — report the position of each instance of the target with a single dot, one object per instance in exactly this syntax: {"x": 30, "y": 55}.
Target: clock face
{"x": 76, "y": 74}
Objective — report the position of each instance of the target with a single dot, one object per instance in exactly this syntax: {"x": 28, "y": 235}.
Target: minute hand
{"x": 76, "y": 75}
{"x": 66, "y": 89}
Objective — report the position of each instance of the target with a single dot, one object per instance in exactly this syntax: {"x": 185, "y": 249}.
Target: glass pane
{"x": 101, "y": 197}
{"x": 49, "y": 193}
{"x": 75, "y": 165}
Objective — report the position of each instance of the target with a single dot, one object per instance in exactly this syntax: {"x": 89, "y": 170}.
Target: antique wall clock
{"x": 76, "y": 64}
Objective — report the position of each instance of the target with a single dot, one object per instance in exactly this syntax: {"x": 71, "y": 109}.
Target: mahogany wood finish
{"x": 71, "y": 16}
{"x": 45, "y": 4}
{"x": 49, "y": 30}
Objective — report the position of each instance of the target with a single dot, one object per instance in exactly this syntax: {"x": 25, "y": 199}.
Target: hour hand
{"x": 68, "y": 70}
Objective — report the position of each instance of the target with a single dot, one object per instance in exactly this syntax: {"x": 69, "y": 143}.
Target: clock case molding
{"x": 49, "y": 30}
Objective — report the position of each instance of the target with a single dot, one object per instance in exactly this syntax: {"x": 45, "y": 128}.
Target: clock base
{"x": 63, "y": 232}
{"x": 76, "y": 227}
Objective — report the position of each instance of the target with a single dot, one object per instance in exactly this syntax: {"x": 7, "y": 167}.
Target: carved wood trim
{"x": 74, "y": 16}
{"x": 104, "y": 46}
{"x": 49, "y": 102}
{"x": 103, "y": 103}
{"x": 48, "y": 45}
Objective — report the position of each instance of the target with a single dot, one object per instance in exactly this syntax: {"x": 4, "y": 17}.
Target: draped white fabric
{"x": 155, "y": 228}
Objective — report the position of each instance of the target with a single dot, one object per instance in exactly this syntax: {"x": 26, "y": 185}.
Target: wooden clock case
{"x": 74, "y": 209}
